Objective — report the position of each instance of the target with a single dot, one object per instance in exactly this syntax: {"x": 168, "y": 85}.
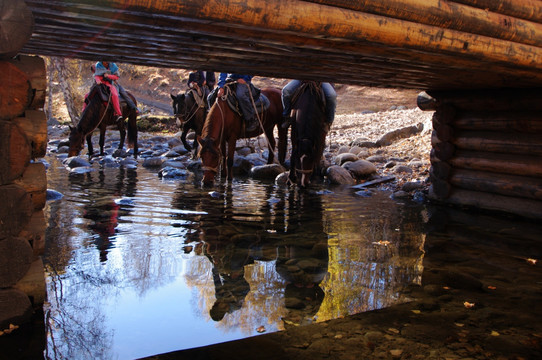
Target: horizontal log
{"x": 512, "y": 164}
{"x": 16, "y": 210}
{"x": 15, "y": 92}
{"x": 34, "y": 232}
{"x": 523, "y": 9}
{"x": 443, "y": 132}
{"x": 489, "y": 99}
{"x": 437, "y": 75}
{"x": 33, "y": 283}
{"x": 15, "y": 260}
{"x": 450, "y": 15}
{"x": 34, "y": 125}
{"x": 508, "y": 143}
{"x": 524, "y": 121}
{"x": 15, "y": 152}
{"x": 16, "y": 24}
{"x": 440, "y": 169}
{"x": 15, "y": 308}
{"x": 276, "y": 15}
{"x": 522, "y": 207}
{"x": 509, "y": 185}
{"x": 34, "y": 181}
{"x": 440, "y": 188}
{"x": 34, "y": 69}
{"x": 441, "y": 150}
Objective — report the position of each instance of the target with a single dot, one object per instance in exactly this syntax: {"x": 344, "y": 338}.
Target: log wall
{"x": 487, "y": 149}
{"x": 23, "y": 188}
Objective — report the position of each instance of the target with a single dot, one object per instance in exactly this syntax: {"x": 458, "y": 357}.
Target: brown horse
{"x": 191, "y": 113}
{"x": 224, "y": 126}
{"x": 99, "y": 114}
{"x": 308, "y": 133}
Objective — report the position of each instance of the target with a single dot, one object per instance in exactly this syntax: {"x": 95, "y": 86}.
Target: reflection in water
{"x": 166, "y": 265}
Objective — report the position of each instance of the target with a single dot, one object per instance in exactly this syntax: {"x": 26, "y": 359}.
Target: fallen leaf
{"x": 532, "y": 261}
{"x": 468, "y": 305}
{"x": 395, "y": 331}
{"x": 416, "y": 311}
{"x": 261, "y": 329}
{"x": 459, "y": 324}
{"x": 492, "y": 287}
{"x": 494, "y": 333}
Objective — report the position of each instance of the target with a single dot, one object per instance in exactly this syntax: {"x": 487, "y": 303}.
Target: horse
{"x": 224, "y": 126}
{"x": 99, "y": 114}
{"x": 308, "y": 133}
{"x": 190, "y": 112}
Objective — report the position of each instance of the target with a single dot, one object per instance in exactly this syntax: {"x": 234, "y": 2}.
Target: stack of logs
{"x": 487, "y": 149}
{"x": 23, "y": 189}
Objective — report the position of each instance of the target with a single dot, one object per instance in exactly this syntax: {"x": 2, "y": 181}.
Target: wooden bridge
{"x": 478, "y": 63}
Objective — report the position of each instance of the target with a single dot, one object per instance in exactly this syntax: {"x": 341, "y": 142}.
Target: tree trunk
{"x": 63, "y": 77}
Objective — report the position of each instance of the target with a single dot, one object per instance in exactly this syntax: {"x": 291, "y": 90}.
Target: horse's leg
{"x": 102, "y": 139}
{"x": 271, "y": 145}
{"x": 231, "y": 154}
{"x": 89, "y": 145}
{"x": 122, "y": 131}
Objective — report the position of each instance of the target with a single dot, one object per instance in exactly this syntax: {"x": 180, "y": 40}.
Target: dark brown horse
{"x": 308, "y": 133}
{"x": 191, "y": 113}
{"x": 99, "y": 114}
{"x": 223, "y": 126}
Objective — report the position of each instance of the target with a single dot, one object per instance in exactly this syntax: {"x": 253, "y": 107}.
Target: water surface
{"x": 137, "y": 265}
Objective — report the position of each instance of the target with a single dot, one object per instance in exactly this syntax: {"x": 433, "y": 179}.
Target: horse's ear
{"x": 172, "y": 96}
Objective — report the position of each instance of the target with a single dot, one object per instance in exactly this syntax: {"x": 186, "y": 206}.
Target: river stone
{"x": 173, "y": 142}
{"x": 155, "y": 161}
{"x": 339, "y": 176}
{"x": 355, "y": 150}
{"x": 180, "y": 149}
{"x": 174, "y": 164}
{"x": 363, "y": 143}
{"x": 255, "y": 159}
{"x": 270, "y": 171}
{"x": 53, "y": 195}
{"x": 402, "y": 169}
{"x": 360, "y": 168}
{"x": 343, "y": 149}
{"x": 344, "y": 157}
{"x": 376, "y": 158}
{"x": 411, "y": 186}
{"x": 173, "y": 173}
{"x": 244, "y": 151}
{"x": 241, "y": 165}
{"x": 76, "y": 161}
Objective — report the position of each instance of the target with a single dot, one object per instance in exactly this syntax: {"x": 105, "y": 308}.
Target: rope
{"x": 261, "y": 124}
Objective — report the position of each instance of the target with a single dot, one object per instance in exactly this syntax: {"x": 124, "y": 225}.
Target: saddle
{"x": 260, "y": 100}
{"x": 103, "y": 92}
{"x": 199, "y": 98}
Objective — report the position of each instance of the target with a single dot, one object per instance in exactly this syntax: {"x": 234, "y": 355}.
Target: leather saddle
{"x": 260, "y": 100}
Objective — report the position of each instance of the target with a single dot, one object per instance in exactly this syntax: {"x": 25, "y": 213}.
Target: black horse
{"x": 190, "y": 109}
{"x": 99, "y": 113}
{"x": 308, "y": 134}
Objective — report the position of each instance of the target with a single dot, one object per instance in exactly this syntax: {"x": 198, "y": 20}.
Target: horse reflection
{"x": 303, "y": 261}
{"x": 102, "y": 207}
{"x": 233, "y": 237}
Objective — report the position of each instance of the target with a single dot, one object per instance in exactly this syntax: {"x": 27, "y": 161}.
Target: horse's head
{"x": 179, "y": 106}
{"x": 209, "y": 154}
{"x": 76, "y": 139}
